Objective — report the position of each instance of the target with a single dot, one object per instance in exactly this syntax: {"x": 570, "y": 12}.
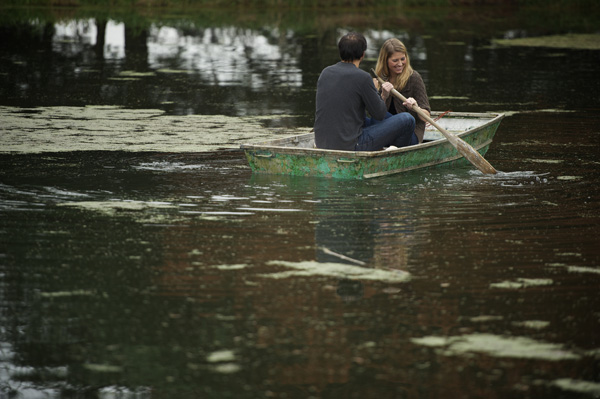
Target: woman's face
{"x": 396, "y": 63}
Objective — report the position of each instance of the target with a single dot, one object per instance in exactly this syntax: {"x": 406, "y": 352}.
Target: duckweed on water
{"x": 485, "y": 318}
{"x": 522, "y": 283}
{"x": 111, "y": 207}
{"x": 223, "y": 361}
{"x": 221, "y": 356}
{"x": 576, "y": 269}
{"x": 570, "y": 41}
{"x": 532, "y": 324}
{"x": 62, "y": 294}
{"x": 337, "y": 270}
{"x": 497, "y": 346}
{"x": 111, "y": 128}
{"x": 586, "y": 387}
{"x": 232, "y": 267}
{"x": 136, "y": 74}
{"x": 102, "y": 368}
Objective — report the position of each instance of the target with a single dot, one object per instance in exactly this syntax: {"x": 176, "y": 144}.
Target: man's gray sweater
{"x": 343, "y": 93}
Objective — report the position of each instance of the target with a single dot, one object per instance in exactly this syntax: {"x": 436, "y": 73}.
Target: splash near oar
{"x": 462, "y": 146}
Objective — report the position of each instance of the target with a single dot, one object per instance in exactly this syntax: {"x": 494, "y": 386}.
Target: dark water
{"x": 160, "y": 273}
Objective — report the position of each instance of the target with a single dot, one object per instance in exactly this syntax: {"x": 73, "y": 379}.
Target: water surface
{"x": 140, "y": 257}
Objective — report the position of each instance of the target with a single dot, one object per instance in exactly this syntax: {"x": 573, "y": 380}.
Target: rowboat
{"x": 297, "y": 155}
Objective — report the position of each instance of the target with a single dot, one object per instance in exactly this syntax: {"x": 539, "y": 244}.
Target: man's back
{"x": 343, "y": 93}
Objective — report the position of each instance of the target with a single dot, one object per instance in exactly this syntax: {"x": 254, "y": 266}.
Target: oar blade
{"x": 475, "y": 157}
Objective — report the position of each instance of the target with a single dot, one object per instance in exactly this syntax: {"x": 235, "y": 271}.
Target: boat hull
{"x": 297, "y": 156}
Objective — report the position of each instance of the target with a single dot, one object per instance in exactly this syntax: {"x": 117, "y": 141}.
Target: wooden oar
{"x": 462, "y": 146}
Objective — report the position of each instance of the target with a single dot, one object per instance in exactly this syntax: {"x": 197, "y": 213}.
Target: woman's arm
{"x": 420, "y": 94}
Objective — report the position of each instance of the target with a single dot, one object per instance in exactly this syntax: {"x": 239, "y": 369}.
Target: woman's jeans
{"x": 397, "y": 130}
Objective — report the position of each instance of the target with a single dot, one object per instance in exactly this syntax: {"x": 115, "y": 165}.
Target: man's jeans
{"x": 397, "y": 130}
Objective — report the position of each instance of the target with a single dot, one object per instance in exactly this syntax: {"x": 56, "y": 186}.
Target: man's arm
{"x": 373, "y": 102}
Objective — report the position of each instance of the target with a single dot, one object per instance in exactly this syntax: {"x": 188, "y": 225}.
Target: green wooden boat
{"x": 297, "y": 155}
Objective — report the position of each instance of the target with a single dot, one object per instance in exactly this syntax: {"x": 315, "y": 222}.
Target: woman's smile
{"x": 396, "y": 63}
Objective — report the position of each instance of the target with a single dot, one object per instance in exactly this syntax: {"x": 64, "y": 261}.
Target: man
{"x": 344, "y": 92}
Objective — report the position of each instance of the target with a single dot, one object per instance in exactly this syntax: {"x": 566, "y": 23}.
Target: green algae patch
{"x": 66, "y": 294}
{"x": 221, "y": 356}
{"x": 125, "y": 79}
{"x": 497, "y": 346}
{"x": 579, "y": 386}
{"x": 576, "y": 269}
{"x": 173, "y": 71}
{"x": 552, "y": 161}
{"x": 485, "y": 318}
{"x": 135, "y": 74}
{"x": 337, "y": 270}
{"x": 102, "y": 368}
{"x": 112, "y": 128}
{"x": 569, "y": 41}
{"x": 569, "y": 178}
{"x": 232, "y": 267}
{"x": 111, "y": 207}
{"x": 532, "y": 324}
{"x": 227, "y": 368}
{"x": 223, "y": 362}
{"x": 522, "y": 283}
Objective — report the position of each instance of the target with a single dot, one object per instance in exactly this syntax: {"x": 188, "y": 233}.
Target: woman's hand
{"x": 410, "y": 102}
{"x": 386, "y": 89}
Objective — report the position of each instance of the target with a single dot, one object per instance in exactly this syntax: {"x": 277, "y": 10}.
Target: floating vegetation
{"x": 63, "y": 294}
{"x": 136, "y": 74}
{"x": 523, "y": 283}
{"x": 577, "y": 269}
{"x": 232, "y": 267}
{"x": 173, "y": 71}
{"x": 227, "y": 368}
{"x": 102, "y": 368}
{"x": 338, "y": 270}
{"x": 532, "y": 324}
{"x": 580, "y": 386}
{"x": 544, "y": 160}
{"x": 111, "y": 128}
{"x": 270, "y": 209}
{"x": 497, "y": 346}
{"x": 168, "y": 166}
{"x": 124, "y": 79}
{"x": 484, "y": 318}
{"x": 221, "y": 356}
{"x": 111, "y": 207}
{"x": 571, "y": 41}
{"x": 223, "y": 360}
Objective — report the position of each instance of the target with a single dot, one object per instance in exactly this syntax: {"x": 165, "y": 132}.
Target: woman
{"x": 393, "y": 65}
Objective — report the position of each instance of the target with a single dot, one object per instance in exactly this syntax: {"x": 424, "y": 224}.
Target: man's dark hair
{"x": 352, "y": 46}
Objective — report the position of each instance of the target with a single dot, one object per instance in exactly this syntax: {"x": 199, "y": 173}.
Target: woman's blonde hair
{"x": 390, "y": 47}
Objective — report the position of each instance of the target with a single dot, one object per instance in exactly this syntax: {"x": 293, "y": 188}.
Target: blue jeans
{"x": 397, "y": 130}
